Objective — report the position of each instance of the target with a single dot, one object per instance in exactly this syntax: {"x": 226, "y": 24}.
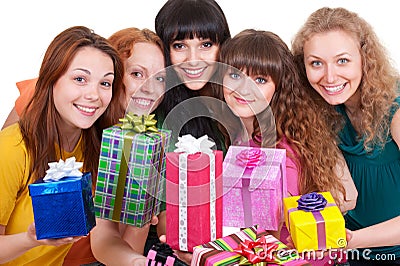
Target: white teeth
{"x": 143, "y": 102}
{"x": 334, "y": 89}
{"x": 194, "y": 72}
{"x": 86, "y": 109}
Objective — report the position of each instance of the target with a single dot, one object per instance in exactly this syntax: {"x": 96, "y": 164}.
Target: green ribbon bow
{"x": 139, "y": 124}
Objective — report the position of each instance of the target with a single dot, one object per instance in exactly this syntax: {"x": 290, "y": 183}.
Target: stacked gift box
{"x": 131, "y": 174}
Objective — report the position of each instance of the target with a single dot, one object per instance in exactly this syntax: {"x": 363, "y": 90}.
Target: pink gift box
{"x": 253, "y": 192}
{"x": 200, "y": 221}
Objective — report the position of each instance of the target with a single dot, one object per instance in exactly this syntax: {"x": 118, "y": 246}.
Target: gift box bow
{"x": 250, "y": 158}
{"x": 61, "y": 169}
{"x": 191, "y": 145}
{"x": 312, "y": 202}
{"x": 139, "y": 124}
{"x": 257, "y": 252}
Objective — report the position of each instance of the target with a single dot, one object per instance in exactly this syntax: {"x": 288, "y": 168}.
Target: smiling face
{"x": 83, "y": 92}
{"x": 245, "y": 95}
{"x": 194, "y": 61}
{"x": 144, "y": 78}
{"x": 334, "y": 65}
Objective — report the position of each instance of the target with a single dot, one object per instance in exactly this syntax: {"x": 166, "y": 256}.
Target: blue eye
{"x": 343, "y": 61}
{"x": 316, "y": 63}
{"x": 160, "y": 79}
{"x": 261, "y": 80}
{"x": 234, "y": 75}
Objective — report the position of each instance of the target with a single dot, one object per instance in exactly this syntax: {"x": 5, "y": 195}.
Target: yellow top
{"x": 15, "y": 203}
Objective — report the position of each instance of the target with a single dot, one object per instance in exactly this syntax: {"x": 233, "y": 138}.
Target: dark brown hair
{"x": 296, "y": 119}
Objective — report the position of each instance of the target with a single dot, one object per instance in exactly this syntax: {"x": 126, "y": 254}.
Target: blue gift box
{"x": 63, "y": 208}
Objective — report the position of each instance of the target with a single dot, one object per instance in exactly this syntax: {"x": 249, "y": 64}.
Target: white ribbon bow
{"x": 190, "y": 145}
{"x": 62, "y": 169}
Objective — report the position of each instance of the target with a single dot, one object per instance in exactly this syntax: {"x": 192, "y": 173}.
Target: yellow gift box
{"x": 314, "y": 230}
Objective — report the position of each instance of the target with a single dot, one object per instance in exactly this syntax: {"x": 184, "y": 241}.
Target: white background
{"x": 27, "y": 27}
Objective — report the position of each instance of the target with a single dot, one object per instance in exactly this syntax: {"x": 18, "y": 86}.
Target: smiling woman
{"x": 333, "y": 65}
{"x": 24, "y": 63}
{"x": 353, "y": 81}
{"x": 78, "y": 93}
{"x": 192, "y": 32}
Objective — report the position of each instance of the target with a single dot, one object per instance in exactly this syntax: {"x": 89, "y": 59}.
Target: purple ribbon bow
{"x": 311, "y": 202}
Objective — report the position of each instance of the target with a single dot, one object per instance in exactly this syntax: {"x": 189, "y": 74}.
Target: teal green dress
{"x": 376, "y": 176}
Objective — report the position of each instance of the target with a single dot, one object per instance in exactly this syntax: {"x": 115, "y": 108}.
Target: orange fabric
{"x": 80, "y": 253}
{"x": 26, "y": 89}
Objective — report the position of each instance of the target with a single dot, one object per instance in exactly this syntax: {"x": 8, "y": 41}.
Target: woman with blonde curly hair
{"x": 259, "y": 70}
{"x": 351, "y": 79}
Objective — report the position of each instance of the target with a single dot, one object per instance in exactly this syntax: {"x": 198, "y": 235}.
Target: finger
{"x": 349, "y": 235}
{"x": 154, "y": 220}
{"x": 163, "y": 239}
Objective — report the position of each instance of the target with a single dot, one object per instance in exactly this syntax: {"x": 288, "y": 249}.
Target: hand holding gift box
{"x": 314, "y": 222}
{"x": 130, "y": 183}
{"x": 254, "y": 181}
{"x": 246, "y": 247}
{"x": 194, "y": 189}
{"x": 62, "y": 201}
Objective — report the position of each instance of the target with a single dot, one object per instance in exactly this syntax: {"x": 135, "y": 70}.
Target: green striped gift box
{"x": 131, "y": 175}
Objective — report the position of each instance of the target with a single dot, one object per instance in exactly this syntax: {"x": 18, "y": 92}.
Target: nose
{"x": 245, "y": 87}
{"x": 147, "y": 86}
{"x": 193, "y": 57}
{"x": 92, "y": 92}
{"x": 330, "y": 74}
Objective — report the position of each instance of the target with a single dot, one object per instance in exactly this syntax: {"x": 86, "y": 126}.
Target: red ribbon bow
{"x": 257, "y": 251}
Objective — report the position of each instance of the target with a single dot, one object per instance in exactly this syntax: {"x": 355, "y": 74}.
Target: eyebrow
{"x": 88, "y": 72}
{"x": 338, "y": 55}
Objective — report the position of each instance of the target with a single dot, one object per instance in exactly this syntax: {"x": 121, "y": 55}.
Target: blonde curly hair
{"x": 379, "y": 77}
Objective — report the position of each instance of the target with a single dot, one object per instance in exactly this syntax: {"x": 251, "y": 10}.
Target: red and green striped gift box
{"x": 221, "y": 252}
{"x": 131, "y": 175}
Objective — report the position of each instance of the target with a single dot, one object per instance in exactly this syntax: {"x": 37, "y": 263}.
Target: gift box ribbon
{"x": 61, "y": 169}
{"x": 133, "y": 124}
{"x": 186, "y": 145}
{"x": 139, "y": 124}
{"x": 314, "y": 202}
{"x": 249, "y": 159}
{"x": 257, "y": 252}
